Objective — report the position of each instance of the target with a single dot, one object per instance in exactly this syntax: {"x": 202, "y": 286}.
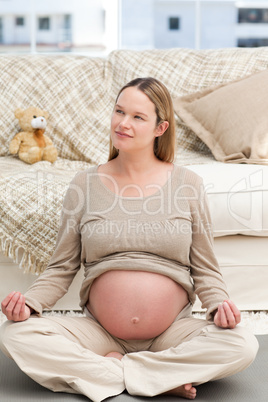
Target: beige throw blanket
{"x": 30, "y": 206}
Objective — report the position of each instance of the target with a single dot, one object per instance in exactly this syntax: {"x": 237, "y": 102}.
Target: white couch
{"x": 78, "y": 92}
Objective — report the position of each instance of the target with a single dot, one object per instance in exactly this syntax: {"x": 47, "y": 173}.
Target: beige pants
{"x": 66, "y": 354}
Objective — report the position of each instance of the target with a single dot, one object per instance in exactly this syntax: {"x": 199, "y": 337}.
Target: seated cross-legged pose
{"x": 140, "y": 226}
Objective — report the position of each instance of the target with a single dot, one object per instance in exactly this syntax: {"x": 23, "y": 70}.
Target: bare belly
{"x": 135, "y": 304}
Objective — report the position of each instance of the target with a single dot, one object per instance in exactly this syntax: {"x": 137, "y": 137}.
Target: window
{"x": 174, "y": 23}
{"x": 67, "y": 21}
{"x": 19, "y": 21}
{"x": 252, "y": 42}
{"x": 253, "y": 15}
{"x": 44, "y": 23}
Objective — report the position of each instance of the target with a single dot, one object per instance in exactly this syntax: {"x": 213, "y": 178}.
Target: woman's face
{"x": 133, "y": 124}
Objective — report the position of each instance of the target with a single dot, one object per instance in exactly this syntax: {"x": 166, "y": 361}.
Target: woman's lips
{"x": 120, "y": 134}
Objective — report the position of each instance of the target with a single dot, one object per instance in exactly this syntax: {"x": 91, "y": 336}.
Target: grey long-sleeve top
{"x": 168, "y": 233}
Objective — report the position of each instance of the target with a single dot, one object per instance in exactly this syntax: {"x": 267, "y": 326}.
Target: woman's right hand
{"x": 14, "y": 307}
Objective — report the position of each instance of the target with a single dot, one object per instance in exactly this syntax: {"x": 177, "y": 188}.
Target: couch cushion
{"x": 231, "y": 119}
{"x": 238, "y": 198}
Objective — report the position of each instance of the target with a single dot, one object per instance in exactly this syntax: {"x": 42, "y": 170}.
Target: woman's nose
{"x": 125, "y": 122}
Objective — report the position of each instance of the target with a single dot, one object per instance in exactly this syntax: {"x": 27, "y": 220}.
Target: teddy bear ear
{"x": 18, "y": 113}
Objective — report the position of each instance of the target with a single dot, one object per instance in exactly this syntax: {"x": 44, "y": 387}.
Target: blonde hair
{"x": 164, "y": 146}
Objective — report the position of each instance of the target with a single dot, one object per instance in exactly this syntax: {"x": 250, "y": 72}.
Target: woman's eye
{"x": 138, "y": 117}
{"x": 119, "y": 111}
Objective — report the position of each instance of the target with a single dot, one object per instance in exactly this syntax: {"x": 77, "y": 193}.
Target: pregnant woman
{"x": 141, "y": 228}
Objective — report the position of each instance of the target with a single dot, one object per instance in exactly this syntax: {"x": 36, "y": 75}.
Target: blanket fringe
{"x": 25, "y": 260}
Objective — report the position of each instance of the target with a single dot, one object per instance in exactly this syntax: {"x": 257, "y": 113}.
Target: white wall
{"x": 185, "y": 36}
{"x": 112, "y": 24}
{"x": 87, "y": 20}
{"x": 145, "y": 24}
{"x": 137, "y": 29}
{"x": 20, "y": 33}
{"x": 42, "y": 6}
{"x": 218, "y": 22}
{"x": 252, "y": 30}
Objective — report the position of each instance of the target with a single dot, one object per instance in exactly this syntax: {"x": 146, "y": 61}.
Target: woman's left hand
{"x": 227, "y": 315}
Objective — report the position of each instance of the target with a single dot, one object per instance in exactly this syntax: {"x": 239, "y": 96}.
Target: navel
{"x": 135, "y": 320}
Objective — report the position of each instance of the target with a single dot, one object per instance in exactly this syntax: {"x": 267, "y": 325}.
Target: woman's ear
{"x": 161, "y": 128}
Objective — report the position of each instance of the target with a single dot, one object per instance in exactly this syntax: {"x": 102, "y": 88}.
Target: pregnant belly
{"x": 135, "y": 304}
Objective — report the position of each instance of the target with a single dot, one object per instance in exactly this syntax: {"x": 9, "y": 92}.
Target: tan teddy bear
{"x": 31, "y": 144}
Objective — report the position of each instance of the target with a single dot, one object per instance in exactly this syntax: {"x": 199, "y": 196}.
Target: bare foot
{"x": 117, "y": 355}
{"x": 185, "y": 391}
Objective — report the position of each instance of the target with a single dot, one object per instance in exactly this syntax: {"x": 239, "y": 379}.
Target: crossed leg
{"x": 65, "y": 354}
{"x": 68, "y": 354}
{"x": 189, "y": 353}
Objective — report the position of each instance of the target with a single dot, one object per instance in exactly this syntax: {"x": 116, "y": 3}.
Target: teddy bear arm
{"x": 15, "y": 143}
{"x": 47, "y": 140}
